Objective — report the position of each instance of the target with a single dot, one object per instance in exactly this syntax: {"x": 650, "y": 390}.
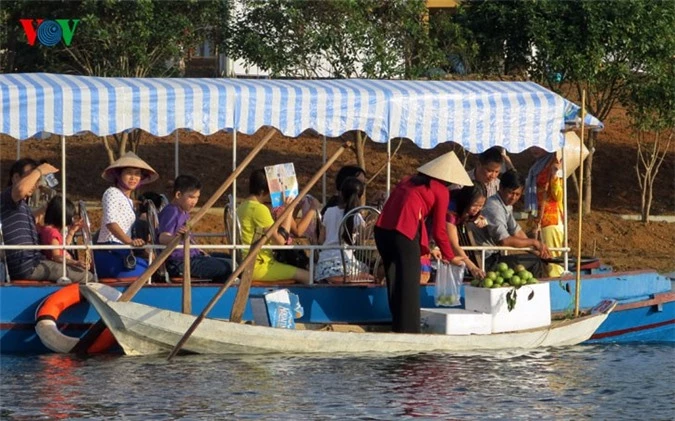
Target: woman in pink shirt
{"x": 401, "y": 235}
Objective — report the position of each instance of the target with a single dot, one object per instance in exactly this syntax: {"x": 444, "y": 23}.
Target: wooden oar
{"x": 90, "y": 335}
{"x": 247, "y": 264}
{"x": 577, "y": 284}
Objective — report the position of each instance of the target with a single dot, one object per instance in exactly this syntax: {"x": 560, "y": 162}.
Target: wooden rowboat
{"x": 144, "y": 330}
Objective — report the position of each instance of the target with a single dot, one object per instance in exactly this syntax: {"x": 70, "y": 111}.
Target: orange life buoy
{"x": 48, "y": 313}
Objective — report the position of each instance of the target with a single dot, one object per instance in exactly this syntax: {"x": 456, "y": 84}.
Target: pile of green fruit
{"x": 447, "y": 300}
{"x": 506, "y": 277}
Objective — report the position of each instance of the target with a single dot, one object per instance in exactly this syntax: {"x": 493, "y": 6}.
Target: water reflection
{"x": 587, "y": 381}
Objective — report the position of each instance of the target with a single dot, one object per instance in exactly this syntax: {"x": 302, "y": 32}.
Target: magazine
{"x": 282, "y": 182}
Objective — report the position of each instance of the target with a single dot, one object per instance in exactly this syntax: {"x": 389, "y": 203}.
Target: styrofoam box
{"x": 526, "y": 314}
{"x": 455, "y": 321}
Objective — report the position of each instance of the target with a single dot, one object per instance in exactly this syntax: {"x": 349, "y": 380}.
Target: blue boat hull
{"x": 646, "y": 310}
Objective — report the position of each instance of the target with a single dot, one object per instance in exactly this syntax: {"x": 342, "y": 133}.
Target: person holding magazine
{"x": 255, "y": 218}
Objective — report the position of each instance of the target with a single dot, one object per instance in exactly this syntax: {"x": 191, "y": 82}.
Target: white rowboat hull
{"x": 144, "y": 330}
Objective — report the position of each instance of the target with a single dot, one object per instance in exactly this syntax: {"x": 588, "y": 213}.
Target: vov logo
{"x": 49, "y": 32}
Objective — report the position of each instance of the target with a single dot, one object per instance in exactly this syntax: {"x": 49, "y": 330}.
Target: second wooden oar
{"x": 245, "y": 284}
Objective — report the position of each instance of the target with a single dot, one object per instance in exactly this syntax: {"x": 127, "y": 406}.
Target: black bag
{"x": 297, "y": 258}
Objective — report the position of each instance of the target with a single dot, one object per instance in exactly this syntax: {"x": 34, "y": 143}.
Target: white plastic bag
{"x": 448, "y": 283}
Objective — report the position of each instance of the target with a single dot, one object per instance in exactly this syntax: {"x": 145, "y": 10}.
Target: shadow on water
{"x": 599, "y": 381}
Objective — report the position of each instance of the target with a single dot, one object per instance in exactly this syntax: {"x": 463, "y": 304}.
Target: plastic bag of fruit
{"x": 448, "y": 283}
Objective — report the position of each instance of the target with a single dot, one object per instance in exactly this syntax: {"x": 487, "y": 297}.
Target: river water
{"x": 596, "y": 381}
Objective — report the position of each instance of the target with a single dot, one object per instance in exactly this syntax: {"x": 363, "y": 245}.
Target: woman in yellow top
{"x": 544, "y": 201}
{"x": 255, "y": 217}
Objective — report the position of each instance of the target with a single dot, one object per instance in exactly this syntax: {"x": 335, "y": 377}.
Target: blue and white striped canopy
{"x": 475, "y": 115}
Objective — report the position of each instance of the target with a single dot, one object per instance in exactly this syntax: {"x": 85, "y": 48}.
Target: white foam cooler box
{"x": 527, "y": 314}
{"x": 455, "y": 321}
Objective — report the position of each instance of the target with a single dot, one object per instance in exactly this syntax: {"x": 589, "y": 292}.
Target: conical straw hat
{"x": 572, "y": 145}
{"x": 131, "y": 160}
{"x": 447, "y": 167}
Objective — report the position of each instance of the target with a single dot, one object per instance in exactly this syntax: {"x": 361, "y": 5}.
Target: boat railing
{"x": 308, "y": 247}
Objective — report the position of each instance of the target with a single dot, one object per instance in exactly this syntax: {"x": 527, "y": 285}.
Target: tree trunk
{"x": 648, "y": 207}
{"x": 575, "y": 184}
{"x": 360, "y": 151}
{"x": 108, "y": 150}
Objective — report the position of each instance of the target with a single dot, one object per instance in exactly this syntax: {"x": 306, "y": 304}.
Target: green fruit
{"x": 475, "y": 282}
{"x": 499, "y": 280}
{"x": 502, "y": 267}
{"x": 487, "y": 283}
{"x": 495, "y": 286}
{"x": 491, "y": 275}
{"x": 533, "y": 281}
{"x": 520, "y": 268}
{"x": 515, "y": 280}
{"x": 508, "y": 274}
{"x": 523, "y": 275}
{"x": 529, "y": 274}
{"x": 506, "y": 285}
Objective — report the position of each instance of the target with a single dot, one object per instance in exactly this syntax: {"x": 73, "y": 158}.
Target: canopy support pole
{"x": 90, "y": 335}
{"x": 64, "y": 227}
{"x": 566, "y": 255}
{"x": 388, "y": 166}
{"x": 323, "y": 177}
{"x": 244, "y": 286}
{"x": 176, "y": 154}
{"x": 234, "y": 199}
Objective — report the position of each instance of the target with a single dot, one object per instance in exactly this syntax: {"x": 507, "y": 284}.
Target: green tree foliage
{"x": 344, "y": 38}
{"x": 496, "y": 38}
{"x": 114, "y": 37}
{"x": 599, "y": 47}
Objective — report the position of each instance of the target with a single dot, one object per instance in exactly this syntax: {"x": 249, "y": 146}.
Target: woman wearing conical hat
{"x": 126, "y": 175}
{"x": 401, "y": 235}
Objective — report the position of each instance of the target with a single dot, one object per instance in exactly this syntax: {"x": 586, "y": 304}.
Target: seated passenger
{"x": 126, "y": 174}
{"x": 18, "y": 226}
{"x": 465, "y": 209}
{"x": 50, "y": 233}
{"x": 489, "y": 165}
{"x": 305, "y": 225}
{"x": 544, "y": 201}
{"x": 255, "y": 218}
{"x": 342, "y": 175}
{"x": 172, "y": 219}
{"x": 330, "y": 261}
{"x": 503, "y": 230}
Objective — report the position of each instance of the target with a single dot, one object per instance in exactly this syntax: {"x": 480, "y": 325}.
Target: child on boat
{"x": 330, "y": 261}
{"x": 255, "y": 218}
{"x": 172, "y": 219}
{"x": 50, "y": 234}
